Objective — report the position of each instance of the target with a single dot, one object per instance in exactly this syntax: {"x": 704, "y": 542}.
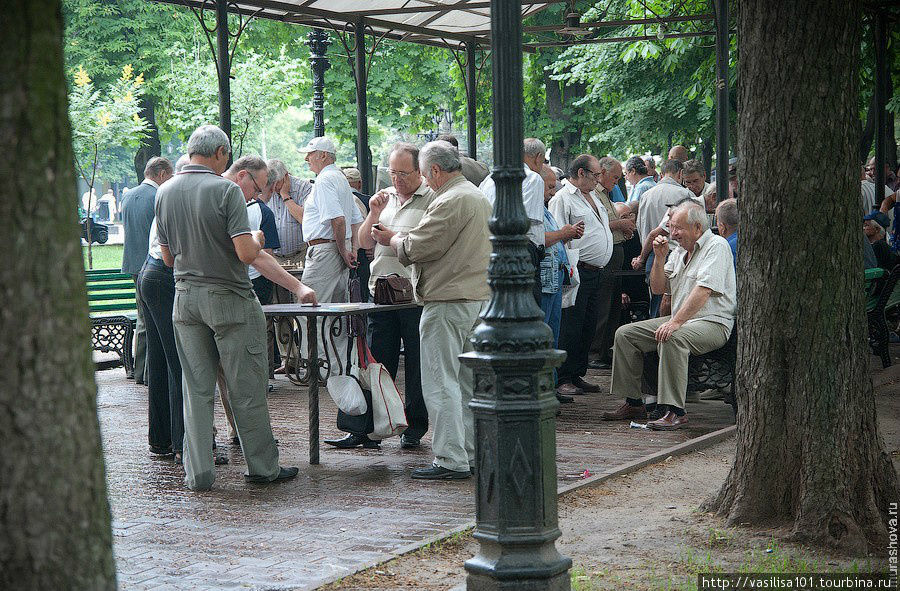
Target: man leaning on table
{"x": 204, "y": 234}
{"x": 448, "y": 251}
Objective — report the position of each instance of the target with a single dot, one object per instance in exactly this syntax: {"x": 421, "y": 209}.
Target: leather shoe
{"x": 598, "y": 364}
{"x": 434, "y": 472}
{"x": 564, "y": 399}
{"x": 409, "y": 442}
{"x": 626, "y": 412}
{"x": 669, "y": 422}
{"x": 283, "y": 474}
{"x": 569, "y": 390}
{"x": 352, "y": 440}
{"x": 586, "y": 386}
{"x": 657, "y": 413}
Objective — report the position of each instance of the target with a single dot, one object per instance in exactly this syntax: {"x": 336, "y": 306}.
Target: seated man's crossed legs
{"x": 632, "y": 341}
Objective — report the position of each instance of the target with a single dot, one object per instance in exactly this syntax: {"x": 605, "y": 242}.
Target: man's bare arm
{"x": 269, "y": 268}
{"x": 168, "y": 259}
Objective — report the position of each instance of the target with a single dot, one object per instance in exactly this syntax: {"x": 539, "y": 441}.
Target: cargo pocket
{"x": 258, "y": 355}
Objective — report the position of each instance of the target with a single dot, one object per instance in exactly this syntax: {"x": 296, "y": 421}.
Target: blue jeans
{"x": 551, "y": 304}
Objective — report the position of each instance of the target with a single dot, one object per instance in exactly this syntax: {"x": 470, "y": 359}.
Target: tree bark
{"x": 54, "y": 512}
{"x": 150, "y": 146}
{"x": 809, "y": 455}
{"x": 558, "y": 100}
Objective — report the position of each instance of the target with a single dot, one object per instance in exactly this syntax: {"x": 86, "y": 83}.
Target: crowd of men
{"x": 207, "y": 243}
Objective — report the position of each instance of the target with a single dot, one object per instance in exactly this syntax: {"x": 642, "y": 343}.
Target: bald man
{"x": 679, "y": 152}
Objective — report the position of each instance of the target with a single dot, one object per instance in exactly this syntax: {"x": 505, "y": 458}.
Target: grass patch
{"x": 107, "y": 256}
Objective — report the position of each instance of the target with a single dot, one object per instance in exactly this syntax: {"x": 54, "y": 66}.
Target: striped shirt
{"x": 290, "y": 231}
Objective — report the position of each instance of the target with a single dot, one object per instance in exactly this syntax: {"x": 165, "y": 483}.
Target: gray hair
{"x": 534, "y": 147}
{"x": 694, "y": 166}
{"x": 607, "y": 163}
{"x": 156, "y": 166}
{"x": 406, "y": 147}
{"x": 249, "y": 163}
{"x": 277, "y": 170}
{"x": 672, "y": 166}
{"x": 182, "y": 162}
{"x": 696, "y": 213}
{"x": 441, "y": 153}
{"x": 727, "y": 213}
{"x": 206, "y": 139}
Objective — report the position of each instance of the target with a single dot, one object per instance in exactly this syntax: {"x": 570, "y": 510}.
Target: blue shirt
{"x": 616, "y": 195}
{"x": 733, "y": 243}
{"x": 645, "y": 183}
{"x": 555, "y": 256}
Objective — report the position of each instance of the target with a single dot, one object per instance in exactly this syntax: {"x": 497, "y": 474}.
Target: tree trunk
{"x": 809, "y": 456}
{"x": 868, "y": 132}
{"x": 150, "y": 145}
{"x": 54, "y": 513}
{"x": 706, "y": 149}
{"x": 558, "y": 101}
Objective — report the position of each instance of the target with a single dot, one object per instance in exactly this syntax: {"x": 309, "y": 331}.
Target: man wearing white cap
{"x": 330, "y": 220}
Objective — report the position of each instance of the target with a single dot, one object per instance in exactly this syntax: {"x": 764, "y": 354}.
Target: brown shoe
{"x": 569, "y": 390}
{"x": 586, "y": 386}
{"x": 669, "y": 422}
{"x": 626, "y": 412}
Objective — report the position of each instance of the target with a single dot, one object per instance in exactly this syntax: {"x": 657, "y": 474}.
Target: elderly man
{"x": 474, "y": 170}
{"x": 875, "y": 225}
{"x": 361, "y": 200}
{"x": 728, "y": 221}
{"x": 699, "y": 274}
{"x": 137, "y": 217}
{"x": 399, "y": 209}
{"x": 679, "y": 152}
{"x": 533, "y": 200}
{"x": 555, "y": 265}
{"x": 204, "y": 233}
{"x": 330, "y": 221}
{"x": 693, "y": 177}
{"x": 449, "y": 251}
{"x": 638, "y": 175}
{"x": 650, "y": 161}
{"x": 577, "y": 203}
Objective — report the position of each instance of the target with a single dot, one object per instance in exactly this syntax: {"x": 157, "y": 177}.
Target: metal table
{"x": 312, "y": 366}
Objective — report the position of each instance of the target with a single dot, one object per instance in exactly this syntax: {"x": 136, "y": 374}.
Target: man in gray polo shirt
{"x": 699, "y": 275}
{"x": 205, "y": 234}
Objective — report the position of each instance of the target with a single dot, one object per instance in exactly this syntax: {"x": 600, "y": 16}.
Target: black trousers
{"x": 385, "y": 332}
{"x": 537, "y": 254}
{"x": 165, "y": 412}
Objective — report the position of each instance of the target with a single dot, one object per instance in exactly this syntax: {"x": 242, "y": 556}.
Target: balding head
{"x": 679, "y": 152}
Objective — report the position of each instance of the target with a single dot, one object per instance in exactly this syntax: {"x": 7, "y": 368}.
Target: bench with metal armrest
{"x": 113, "y": 310}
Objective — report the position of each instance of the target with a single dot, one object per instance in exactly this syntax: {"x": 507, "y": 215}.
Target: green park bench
{"x": 882, "y": 296}
{"x": 113, "y": 310}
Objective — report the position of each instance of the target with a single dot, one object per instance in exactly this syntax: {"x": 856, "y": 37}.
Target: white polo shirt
{"x": 532, "y": 199}
{"x": 568, "y": 206}
{"x": 331, "y": 198}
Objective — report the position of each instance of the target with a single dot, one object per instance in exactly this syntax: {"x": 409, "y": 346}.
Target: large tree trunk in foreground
{"x": 54, "y": 514}
{"x": 809, "y": 455}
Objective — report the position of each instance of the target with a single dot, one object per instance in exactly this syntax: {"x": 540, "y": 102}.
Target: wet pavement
{"x": 355, "y": 508}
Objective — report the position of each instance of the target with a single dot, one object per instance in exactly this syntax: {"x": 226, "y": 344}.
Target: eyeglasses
{"x": 258, "y": 190}
{"x": 400, "y": 174}
{"x": 596, "y": 174}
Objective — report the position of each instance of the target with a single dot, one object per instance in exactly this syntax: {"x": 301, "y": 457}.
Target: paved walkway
{"x": 354, "y": 508}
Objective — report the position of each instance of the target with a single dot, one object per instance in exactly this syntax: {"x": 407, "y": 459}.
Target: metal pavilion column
{"x": 514, "y": 401}
{"x": 722, "y": 108}
{"x": 318, "y": 42}
{"x": 363, "y": 158}
{"x": 223, "y": 61}
{"x": 880, "y": 34}
{"x": 471, "y": 114}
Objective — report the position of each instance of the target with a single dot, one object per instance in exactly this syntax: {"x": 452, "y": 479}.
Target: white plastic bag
{"x": 347, "y": 393}
{"x": 570, "y": 292}
{"x": 387, "y": 405}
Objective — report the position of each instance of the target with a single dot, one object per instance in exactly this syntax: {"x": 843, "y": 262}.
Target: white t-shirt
{"x": 532, "y": 199}
{"x": 254, "y": 215}
{"x": 331, "y": 198}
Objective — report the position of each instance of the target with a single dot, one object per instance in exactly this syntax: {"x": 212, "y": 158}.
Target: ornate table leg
{"x": 313, "y": 375}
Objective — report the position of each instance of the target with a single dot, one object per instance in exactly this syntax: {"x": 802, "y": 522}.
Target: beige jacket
{"x": 450, "y": 248}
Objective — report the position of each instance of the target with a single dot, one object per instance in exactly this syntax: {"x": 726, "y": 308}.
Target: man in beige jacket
{"x": 449, "y": 253}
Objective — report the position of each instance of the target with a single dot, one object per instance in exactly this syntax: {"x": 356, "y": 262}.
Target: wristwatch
{"x": 285, "y": 199}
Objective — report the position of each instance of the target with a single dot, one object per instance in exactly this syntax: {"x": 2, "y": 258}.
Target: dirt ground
{"x": 644, "y": 531}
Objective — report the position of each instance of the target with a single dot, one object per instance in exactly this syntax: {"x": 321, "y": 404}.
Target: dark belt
{"x": 318, "y": 241}
{"x": 588, "y": 266}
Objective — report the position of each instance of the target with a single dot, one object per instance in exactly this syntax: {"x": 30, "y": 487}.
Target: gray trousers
{"x": 140, "y": 338}
{"x": 216, "y": 324}
{"x": 445, "y": 330}
{"x": 635, "y": 339}
{"x": 325, "y": 273}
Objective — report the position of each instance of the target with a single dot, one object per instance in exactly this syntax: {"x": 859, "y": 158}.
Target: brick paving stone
{"x": 357, "y": 506}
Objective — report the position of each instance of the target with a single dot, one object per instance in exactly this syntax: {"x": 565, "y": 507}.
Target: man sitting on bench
{"x": 699, "y": 276}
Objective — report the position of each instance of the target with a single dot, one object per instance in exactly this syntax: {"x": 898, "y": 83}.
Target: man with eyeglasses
{"x": 204, "y": 233}
{"x": 398, "y": 209}
{"x": 577, "y": 204}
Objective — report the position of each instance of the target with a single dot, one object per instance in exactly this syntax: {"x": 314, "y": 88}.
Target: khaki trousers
{"x": 326, "y": 274}
{"x": 445, "y": 330}
{"x": 635, "y": 339}
{"x": 216, "y": 324}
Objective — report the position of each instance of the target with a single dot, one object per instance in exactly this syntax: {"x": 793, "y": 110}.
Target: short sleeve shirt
{"x": 290, "y": 231}
{"x": 198, "y": 213}
{"x": 262, "y": 218}
{"x": 532, "y": 199}
{"x": 711, "y": 266}
{"x": 331, "y": 198}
